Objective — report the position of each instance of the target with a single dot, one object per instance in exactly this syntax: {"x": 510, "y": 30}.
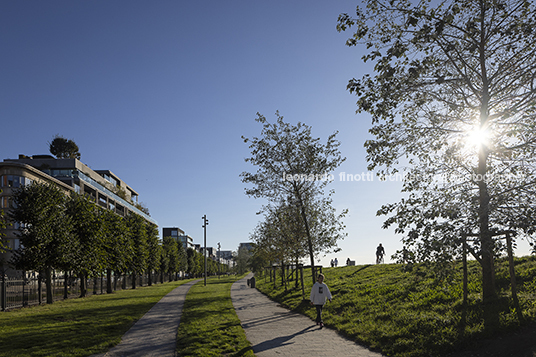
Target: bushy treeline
{"x": 72, "y": 234}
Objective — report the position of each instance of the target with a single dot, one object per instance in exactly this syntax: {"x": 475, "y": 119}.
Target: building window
{"x": 6, "y": 202}
{"x": 14, "y": 181}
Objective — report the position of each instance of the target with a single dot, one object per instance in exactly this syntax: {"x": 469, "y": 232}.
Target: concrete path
{"x": 155, "y": 334}
{"x": 276, "y": 331}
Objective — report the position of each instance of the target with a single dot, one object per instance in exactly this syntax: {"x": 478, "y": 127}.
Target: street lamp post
{"x": 219, "y": 259}
{"x": 205, "y": 223}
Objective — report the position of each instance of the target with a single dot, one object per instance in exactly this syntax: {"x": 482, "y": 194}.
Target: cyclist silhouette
{"x": 379, "y": 254}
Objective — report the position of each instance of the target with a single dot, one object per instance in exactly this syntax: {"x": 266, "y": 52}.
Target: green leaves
{"x": 45, "y": 233}
{"x": 67, "y": 231}
{"x": 441, "y": 73}
{"x": 293, "y": 168}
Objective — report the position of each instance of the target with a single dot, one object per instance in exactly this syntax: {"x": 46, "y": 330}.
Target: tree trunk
{"x": 109, "y": 289}
{"x": 309, "y": 239}
{"x": 465, "y": 278}
{"x": 489, "y": 295}
{"x": 83, "y": 285}
{"x": 48, "y": 283}
{"x": 513, "y": 277}
{"x": 65, "y": 285}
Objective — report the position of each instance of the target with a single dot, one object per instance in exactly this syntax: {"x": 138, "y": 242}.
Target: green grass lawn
{"x": 76, "y": 327}
{"x": 410, "y": 312}
{"x": 209, "y": 325}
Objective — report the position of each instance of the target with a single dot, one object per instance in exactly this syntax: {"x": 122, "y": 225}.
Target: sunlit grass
{"x": 410, "y": 312}
{"x": 76, "y": 327}
{"x": 209, "y": 324}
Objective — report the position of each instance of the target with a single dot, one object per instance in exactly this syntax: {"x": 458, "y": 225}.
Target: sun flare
{"x": 477, "y": 137}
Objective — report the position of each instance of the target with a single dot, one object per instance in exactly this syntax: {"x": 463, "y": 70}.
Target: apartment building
{"x": 71, "y": 175}
{"x": 179, "y": 235}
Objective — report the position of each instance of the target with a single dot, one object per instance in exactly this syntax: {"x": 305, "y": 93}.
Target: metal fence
{"x": 26, "y": 291}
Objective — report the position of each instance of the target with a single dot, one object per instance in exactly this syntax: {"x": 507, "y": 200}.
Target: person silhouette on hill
{"x": 379, "y": 254}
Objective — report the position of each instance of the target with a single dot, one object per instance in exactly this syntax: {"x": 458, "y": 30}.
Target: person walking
{"x": 319, "y": 294}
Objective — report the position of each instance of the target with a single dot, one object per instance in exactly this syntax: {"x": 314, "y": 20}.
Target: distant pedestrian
{"x": 319, "y": 294}
{"x": 336, "y": 262}
{"x": 379, "y": 254}
{"x": 332, "y": 263}
{"x": 348, "y": 262}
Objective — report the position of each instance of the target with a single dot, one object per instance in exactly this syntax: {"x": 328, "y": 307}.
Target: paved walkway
{"x": 276, "y": 331}
{"x": 155, "y": 334}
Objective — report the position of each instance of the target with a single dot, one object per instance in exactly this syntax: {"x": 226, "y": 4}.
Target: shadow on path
{"x": 279, "y": 341}
{"x": 275, "y": 331}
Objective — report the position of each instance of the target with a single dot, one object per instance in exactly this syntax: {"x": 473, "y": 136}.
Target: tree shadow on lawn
{"x": 82, "y": 329}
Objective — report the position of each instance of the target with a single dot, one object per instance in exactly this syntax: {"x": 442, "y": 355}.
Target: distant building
{"x": 225, "y": 254}
{"x": 172, "y": 232}
{"x": 179, "y": 235}
{"x": 249, "y": 246}
{"x": 211, "y": 252}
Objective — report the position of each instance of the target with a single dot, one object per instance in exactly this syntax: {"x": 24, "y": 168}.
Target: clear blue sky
{"x": 160, "y": 92}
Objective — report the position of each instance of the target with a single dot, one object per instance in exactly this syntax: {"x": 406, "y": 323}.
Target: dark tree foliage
{"x": 45, "y": 231}
{"x": 138, "y": 236}
{"x": 154, "y": 247}
{"x": 64, "y": 148}
{"x": 87, "y": 231}
{"x": 117, "y": 246}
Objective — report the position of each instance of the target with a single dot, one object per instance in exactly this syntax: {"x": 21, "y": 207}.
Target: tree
{"x": 140, "y": 254}
{"x": 64, "y": 148}
{"x": 87, "y": 228}
{"x": 183, "y": 258}
{"x": 153, "y": 246}
{"x": 191, "y": 262}
{"x": 117, "y": 246}
{"x": 3, "y": 225}
{"x": 454, "y": 100}
{"x": 280, "y": 238}
{"x": 44, "y": 230}
{"x": 242, "y": 259}
{"x": 171, "y": 256}
{"x": 292, "y": 167}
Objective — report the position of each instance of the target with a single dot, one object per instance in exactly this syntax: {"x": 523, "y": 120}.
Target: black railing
{"x": 26, "y": 291}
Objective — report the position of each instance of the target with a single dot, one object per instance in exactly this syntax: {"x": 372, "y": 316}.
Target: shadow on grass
{"x": 86, "y": 329}
{"x": 360, "y": 269}
{"x": 246, "y": 351}
{"x": 71, "y": 325}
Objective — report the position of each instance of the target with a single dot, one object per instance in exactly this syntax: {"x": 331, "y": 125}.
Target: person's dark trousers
{"x": 319, "y": 313}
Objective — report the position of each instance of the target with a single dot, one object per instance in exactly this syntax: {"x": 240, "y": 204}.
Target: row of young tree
{"x": 293, "y": 169}
{"x": 71, "y": 233}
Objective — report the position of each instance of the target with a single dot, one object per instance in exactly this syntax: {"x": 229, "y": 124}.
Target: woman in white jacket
{"x": 319, "y": 294}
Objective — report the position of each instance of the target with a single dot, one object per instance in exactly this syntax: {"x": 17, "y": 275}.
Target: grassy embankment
{"x": 411, "y": 312}
{"x": 209, "y": 325}
{"x": 76, "y": 327}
